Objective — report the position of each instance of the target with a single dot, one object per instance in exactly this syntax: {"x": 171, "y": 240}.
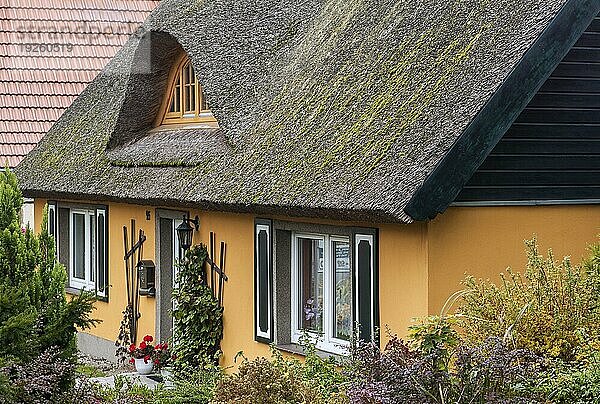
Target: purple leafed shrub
{"x": 396, "y": 374}
{"x": 489, "y": 373}
{"x": 493, "y": 372}
{"x": 42, "y": 379}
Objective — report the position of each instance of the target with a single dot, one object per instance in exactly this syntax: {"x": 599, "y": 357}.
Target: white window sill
{"x": 76, "y": 292}
{"x": 300, "y": 350}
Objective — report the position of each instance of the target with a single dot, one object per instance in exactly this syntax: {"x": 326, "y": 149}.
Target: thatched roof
{"x": 335, "y": 109}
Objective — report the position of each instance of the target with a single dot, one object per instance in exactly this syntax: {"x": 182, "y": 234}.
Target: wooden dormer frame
{"x": 164, "y": 117}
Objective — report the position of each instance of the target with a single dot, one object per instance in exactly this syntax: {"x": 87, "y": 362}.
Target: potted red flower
{"x": 142, "y": 356}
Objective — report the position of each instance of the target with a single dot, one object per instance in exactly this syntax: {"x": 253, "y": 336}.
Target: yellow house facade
{"x": 421, "y": 265}
{"x": 349, "y": 187}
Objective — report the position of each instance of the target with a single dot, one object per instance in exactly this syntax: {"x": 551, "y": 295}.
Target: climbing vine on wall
{"x": 197, "y": 313}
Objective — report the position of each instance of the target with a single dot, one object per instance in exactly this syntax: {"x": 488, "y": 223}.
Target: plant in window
{"x": 312, "y": 314}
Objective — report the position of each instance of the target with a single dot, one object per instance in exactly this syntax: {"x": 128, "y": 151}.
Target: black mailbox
{"x": 146, "y": 272}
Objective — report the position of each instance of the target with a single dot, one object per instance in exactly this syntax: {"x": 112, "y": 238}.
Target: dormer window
{"x": 186, "y": 102}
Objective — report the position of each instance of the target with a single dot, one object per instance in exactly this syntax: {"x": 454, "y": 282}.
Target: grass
{"x": 89, "y": 371}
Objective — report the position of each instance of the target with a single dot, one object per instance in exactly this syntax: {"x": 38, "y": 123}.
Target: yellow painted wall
{"x": 420, "y": 264}
{"x": 237, "y": 231}
{"x": 403, "y": 274}
{"x": 403, "y": 277}
{"x": 402, "y": 271}
{"x": 110, "y": 313}
{"x": 483, "y": 241}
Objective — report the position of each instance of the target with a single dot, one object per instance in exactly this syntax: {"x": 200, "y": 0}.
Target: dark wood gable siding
{"x": 552, "y": 151}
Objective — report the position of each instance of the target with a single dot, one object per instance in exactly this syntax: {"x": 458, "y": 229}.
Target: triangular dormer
{"x": 164, "y": 119}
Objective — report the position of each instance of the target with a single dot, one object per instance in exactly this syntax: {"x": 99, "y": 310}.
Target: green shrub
{"x": 195, "y": 387}
{"x": 125, "y": 391}
{"x": 434, "y": 335}
{"x": 192, "y": 388}
{"x": 198, "y": 315}
{"x": 283, "y": 380}
{"x": 551, "y": 310}
{"x": 89, "y": 371}
{"x": 569, "y": 383}
{"x": 36, "y": 319}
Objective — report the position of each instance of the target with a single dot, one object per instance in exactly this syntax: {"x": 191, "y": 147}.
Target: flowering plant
{"x": 162, "y": 355}
{"x": 144, "y": 351}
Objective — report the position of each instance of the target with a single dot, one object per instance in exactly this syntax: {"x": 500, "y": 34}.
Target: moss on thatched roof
{"x": 326, "y": 108}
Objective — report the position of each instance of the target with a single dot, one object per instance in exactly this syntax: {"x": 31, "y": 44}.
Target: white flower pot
{"x": 144, "y": 368}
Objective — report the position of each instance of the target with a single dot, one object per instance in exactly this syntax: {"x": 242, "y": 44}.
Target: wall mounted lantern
{"x": 185, "y": 231}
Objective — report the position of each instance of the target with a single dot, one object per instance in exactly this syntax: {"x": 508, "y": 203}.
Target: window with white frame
{"x": 315, "y": 279}
{"x": 322, "y": 290}
{"x": 81, "y": 238}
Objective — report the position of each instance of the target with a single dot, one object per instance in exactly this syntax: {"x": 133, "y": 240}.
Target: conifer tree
{"x": 34, "y": 311}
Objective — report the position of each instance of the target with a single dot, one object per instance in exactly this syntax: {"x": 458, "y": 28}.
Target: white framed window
{"x": 81, "y": 237}
{"x": 322, "y": 290}
{"x": 82, "y": 234}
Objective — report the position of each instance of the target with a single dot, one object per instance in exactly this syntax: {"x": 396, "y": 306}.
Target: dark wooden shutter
{"x": 101, "y": 252}
{"x": 366, "y": 276}
{"x": 63, "y": 248}
{"x": 52, "y": 219}
{"x": 53, "y": 225}
{"x": 263, "y": 281}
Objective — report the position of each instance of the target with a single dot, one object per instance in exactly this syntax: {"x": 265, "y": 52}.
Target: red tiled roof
{"x": 49, "y": 51}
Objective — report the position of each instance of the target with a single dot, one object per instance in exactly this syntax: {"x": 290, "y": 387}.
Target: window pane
{"x": 186, "y": 74}
{"x": 203, "y": 105}
{"x": 188, "y": 98}
{"x": 78, "y": 246}
{"x": 310, "y": 264}
{"x": 192, "y": 97}
{"x": 172, "y": 105}
{"x": 343, "y": 290}
{"x": 177, "y": 97}
{"x": 175, "y": 107}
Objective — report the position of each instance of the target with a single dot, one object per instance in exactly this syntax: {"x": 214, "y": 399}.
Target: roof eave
{"x": 344, "y": 215}
{"x": 469, "y": 151}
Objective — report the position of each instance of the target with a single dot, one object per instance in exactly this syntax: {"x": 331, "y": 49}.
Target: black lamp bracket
{"x": 195, "y": 221}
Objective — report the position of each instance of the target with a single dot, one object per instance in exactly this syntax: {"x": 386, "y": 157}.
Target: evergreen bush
{"x": 36, "y": 318}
